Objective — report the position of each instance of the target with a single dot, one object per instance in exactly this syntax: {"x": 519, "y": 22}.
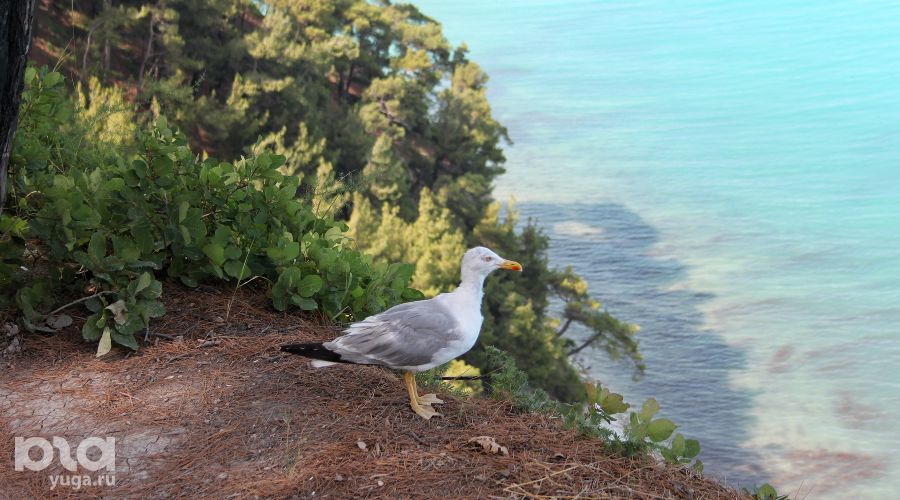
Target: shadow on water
{"x": 689, "y": 366}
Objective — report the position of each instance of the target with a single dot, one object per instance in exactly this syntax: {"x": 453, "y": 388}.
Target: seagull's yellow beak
{"x": 511, "y": 265}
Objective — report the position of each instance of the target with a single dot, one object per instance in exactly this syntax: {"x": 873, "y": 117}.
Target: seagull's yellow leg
{"x": 422, "y": 408}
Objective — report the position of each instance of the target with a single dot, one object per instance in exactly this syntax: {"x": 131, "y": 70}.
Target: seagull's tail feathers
{"x": 321, "y": 356}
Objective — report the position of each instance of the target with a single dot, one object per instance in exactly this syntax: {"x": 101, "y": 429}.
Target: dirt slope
{"x": 214, "y": 410}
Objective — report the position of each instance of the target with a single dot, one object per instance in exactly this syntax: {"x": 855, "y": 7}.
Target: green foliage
{"x": 643, "y": 433}
{"x": 764, "y": 492}
{"x": 383, "y": 123}
{"x": 116, "y": 227}
{"x": 13, "y": 231}
{"x": 645, "y": 430}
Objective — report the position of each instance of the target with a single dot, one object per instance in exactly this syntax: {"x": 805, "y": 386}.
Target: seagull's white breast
{"x": 466, "y": 310}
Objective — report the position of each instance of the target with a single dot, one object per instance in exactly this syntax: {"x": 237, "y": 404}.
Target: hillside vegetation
{"x": 350, "y": 138}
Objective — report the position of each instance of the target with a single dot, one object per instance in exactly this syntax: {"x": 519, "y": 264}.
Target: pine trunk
{"x": 16, "y": 18}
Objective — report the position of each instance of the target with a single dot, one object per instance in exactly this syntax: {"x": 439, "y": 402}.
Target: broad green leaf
{"x": 660, "y": 429}
{"x": 215, "y": 252}
{"x": 334, "y": 234}
{"x": 279, "y": 302}
{"x": 52, "y": 79}
{"x": 633, "y": 421}
{"x": 143, "y": 282}
{"x": 222, "y": 235}
{"x": 691, "y": 448}
{"x": 291, "y": 250}
{"x": 97, "y": 247}
{"x": 134, "y": 324}
{"x": 678, "y": 445}
{"x": 125, "y": 249}
{"x": 90, "y": 331}
{"x": 766, "y": 492}
{"x": 143, "y": 238}
{"x": 153, "y": 291}
{"x": 261, "y": 217}
{"x": 233, "y": 252}
{"x": 131, "y": 179}
{"x": 185, "y": 233}
{"x": 236, "y": 269}
{"x": 115, "y": 184}
{"x": 125, "y": 339}
{"x": 304, "y": 303}
{"x": 613, "y": 403}
{"x": 154, "y": 308}
{"x": 194, "y": 224}
{"x": 309, "y": 285}
{"x": 183, "y": 210}
{"x": 82, "y": 213}
{"x": 275, "y": 253}
{"x": 138, "y": 168}
{"x": 650, "y": 408}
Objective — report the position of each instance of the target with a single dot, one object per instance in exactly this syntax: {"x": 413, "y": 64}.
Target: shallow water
{"x": 726, "y": 175}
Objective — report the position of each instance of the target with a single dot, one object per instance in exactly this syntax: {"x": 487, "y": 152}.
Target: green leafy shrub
{"x": 13, "y": 231}
{"x": 114, "y": 222}
{"x": 645, "y": 430}
{"x": 764, "y": 492}
{"x": 642, "y": 432}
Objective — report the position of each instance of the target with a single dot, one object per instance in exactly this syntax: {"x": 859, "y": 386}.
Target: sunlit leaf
{"x": 105, "y": 344}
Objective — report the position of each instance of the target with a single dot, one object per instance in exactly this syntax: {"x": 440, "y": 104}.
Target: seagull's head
{"x": 482, "y": 261}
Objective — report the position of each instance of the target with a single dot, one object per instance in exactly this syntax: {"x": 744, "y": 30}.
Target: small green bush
{"x": 112, "y": 222}
{"x": 764, "y": 492}
{"x": 642, "y": 432}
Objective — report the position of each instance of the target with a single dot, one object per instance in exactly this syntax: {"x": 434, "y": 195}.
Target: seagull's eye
{"x": 488, "y": 258}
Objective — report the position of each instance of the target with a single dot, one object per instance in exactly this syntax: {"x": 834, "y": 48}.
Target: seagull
{"x": 416, "y": 336}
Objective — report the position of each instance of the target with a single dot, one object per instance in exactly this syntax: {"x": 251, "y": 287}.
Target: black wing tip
{"x": 313, "y": 351}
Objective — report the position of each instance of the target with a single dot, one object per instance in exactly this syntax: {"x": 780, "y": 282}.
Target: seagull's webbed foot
{"x": 425, "y": 411}
{"x": 420, "y": 404}
{"x": 430, "y": 399}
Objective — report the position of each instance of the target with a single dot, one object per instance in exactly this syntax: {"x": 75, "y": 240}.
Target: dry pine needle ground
{"x": 211, "y": 409}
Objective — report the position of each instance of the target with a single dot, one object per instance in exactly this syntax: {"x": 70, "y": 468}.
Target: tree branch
{"x": 565, "y": 327}
{"x": 79, "y": 301}
{"x": 392, "y": 118}
{"x": 586, "y": 343}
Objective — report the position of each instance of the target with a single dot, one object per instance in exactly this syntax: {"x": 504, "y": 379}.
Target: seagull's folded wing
{"x": 404, "y": 336}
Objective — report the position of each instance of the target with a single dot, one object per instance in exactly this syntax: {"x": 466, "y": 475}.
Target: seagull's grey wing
{"x": 404, "y": 336}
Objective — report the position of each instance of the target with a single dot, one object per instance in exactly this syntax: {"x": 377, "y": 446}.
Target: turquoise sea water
{"x": 727, "y": 175}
